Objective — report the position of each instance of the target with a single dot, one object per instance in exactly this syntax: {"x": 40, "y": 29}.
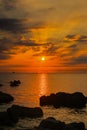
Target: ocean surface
{"x": 35, "y": 85}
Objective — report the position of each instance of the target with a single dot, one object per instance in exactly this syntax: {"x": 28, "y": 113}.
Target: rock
{"x": 22, "y": 112}
{"x": 14, "y": 113}
{"x": 1, "y": 85}
{"x": 51, "y": 124}
{"x": 47, "y": 100}
{"x": 62, "y": 99}
{"x": 15, "y": 83}
{"x": 5, "y": 98}
{"x": 5, "y": 120}
{"x": 75, "y": 126}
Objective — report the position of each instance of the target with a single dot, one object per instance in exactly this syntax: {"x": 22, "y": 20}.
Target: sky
{"x": 33, "y": 29}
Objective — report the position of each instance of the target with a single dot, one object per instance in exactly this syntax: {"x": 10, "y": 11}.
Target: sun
{"x": 43, "y": 58}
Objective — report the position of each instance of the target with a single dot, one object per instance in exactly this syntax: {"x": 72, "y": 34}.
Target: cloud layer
{"x": 33, "y": 28}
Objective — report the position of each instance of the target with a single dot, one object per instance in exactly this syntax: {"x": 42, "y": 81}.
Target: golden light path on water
{"x": 43, "y": 84}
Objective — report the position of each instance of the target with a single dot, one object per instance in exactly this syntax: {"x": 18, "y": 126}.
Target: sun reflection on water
{"x": 43, "y": 84}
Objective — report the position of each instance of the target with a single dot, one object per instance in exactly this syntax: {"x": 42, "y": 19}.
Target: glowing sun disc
{"x": 43, "y": 58}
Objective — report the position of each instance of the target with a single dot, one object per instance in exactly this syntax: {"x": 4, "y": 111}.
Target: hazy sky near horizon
{"x": 31, "y": 29}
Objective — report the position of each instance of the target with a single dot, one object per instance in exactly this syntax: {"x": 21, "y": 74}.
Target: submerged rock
{"x": 22, "y": 112}
{"x": 5, "y": 98}
{"x": 15, "y": 83}
{"x": 62, "y": 99}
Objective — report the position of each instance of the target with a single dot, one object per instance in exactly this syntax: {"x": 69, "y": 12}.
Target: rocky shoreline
{"x": 51, "y": 123}
{"x": 11, "y": 116}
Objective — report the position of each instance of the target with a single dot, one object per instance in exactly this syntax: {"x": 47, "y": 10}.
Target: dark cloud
{"x": 12, "y": 25}
{"x": 82, "y": 39}
{"x": 27, "y": 43}
{"x": 78, "y": 60}
{"x": 78, "y": 38}
{"x": 6, "y": 44}
{"x": 70, "y": 50}
{"x": 49, "y": 50}
{"x": 70, "y": 36}
{"x": 73, "y": 48}
{"x": 4, "y": 56}
{"x": 19, "y": 25}
{"x": 9, "y": 4}
{"x": 52, "y": 50}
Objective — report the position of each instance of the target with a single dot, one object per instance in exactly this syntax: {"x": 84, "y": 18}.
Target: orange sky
{"x": 32, "y": 29}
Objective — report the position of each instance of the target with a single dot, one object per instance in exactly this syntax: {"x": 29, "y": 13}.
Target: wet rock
{"x": 47, "y": 100}
{"x": 15, "y": 83}
{"x": 53, "y": 124}
{"x": 14, "y": 113}
{"x": 62, "y": 99}
{"x": 1, "y": 85}
{"x": 75, "y": 126}
{"x": 21, "y": 112}
{"x": 5, "y": 120}
{"x": 5, "y": 98}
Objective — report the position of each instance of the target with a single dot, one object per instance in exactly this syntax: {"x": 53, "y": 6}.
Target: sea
{"x": 33, "y": 86}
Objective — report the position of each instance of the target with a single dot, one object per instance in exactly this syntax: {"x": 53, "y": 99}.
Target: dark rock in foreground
{"x": 53, "y": 124}
{"x": 1, "y": 85}
{"x": 62, "y": 99}
{"x": 5, "y": 98}
{"x": 6, "y": 120}
{"x": 75, "y": 126}
{"x": 13, "y": 114}
{"x": 22, "y": 112}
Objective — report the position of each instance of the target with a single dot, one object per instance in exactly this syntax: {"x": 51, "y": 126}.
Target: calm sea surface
{"x": 35, "y": 85}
